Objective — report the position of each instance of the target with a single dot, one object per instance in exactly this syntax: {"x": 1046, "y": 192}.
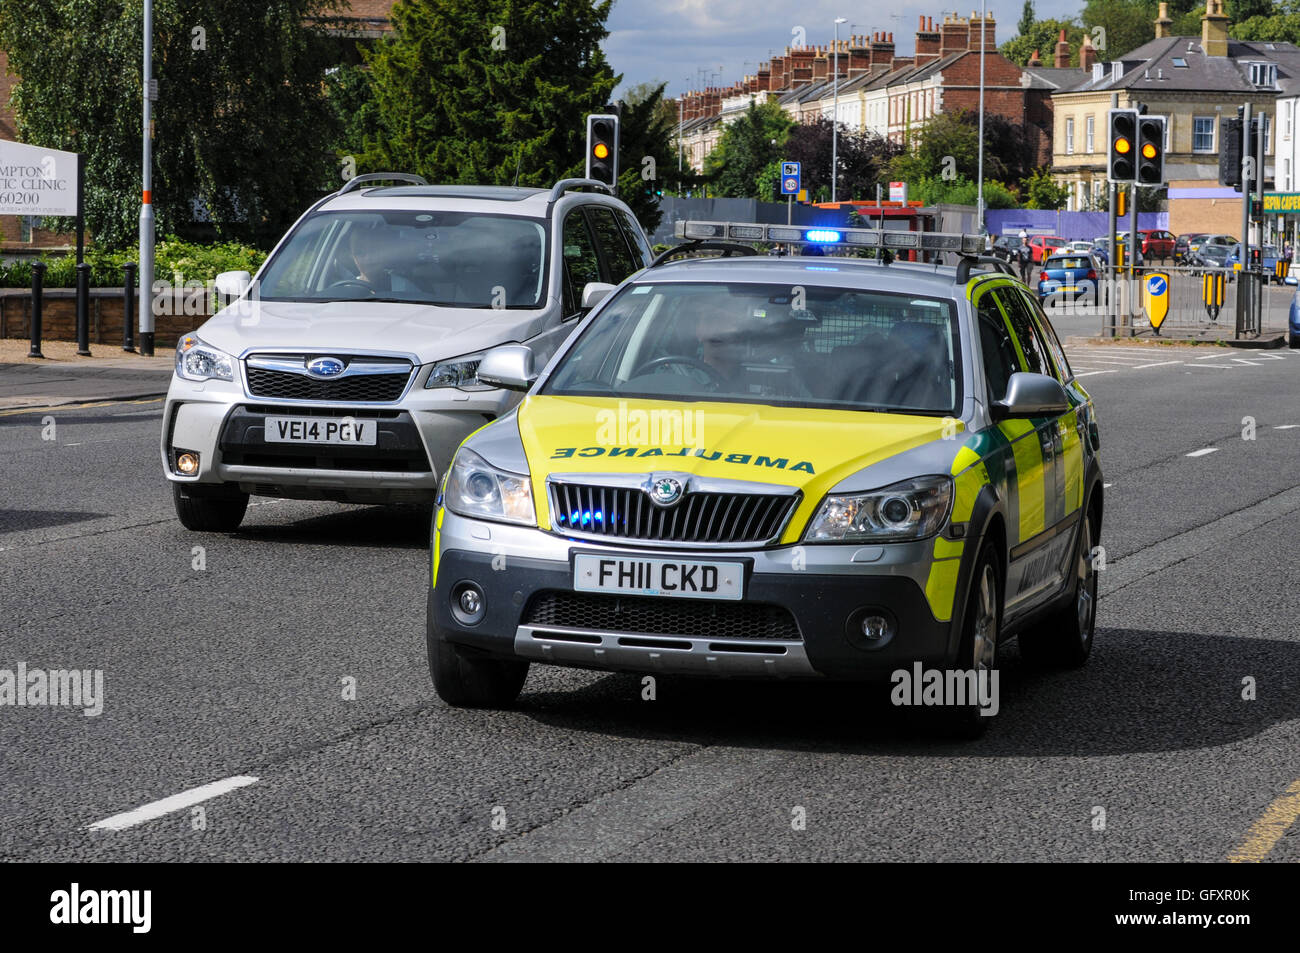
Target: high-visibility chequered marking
{"x": 1270, "y": 827}
{"x": 1028, "y": 454}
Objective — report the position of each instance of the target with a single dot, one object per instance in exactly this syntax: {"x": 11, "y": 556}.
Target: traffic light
{"x": 1151, "y": 150}
{"x": 602, "y": 148}
{"x": 1122, "y": 145}
{"x": 1230, "y": 153}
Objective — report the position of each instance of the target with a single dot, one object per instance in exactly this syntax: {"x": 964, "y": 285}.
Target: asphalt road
{"x": 239, "y": 670}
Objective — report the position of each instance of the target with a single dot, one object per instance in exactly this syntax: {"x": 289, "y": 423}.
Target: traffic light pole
{"x": 1112, "y": 266}
{"x": 1246, "y": 165}
{"x": 1135, "y": 240}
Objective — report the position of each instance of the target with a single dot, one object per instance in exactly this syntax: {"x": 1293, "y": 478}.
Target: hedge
{"x": 172, "y": 258}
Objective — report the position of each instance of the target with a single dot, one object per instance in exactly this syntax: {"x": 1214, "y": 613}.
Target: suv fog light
{"x": 468, "y": 604}
{"x": 875, "y": 627}
{"x": 187, "y": 463}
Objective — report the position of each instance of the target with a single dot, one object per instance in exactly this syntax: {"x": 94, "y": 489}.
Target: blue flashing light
{"x": 823, "y": 235}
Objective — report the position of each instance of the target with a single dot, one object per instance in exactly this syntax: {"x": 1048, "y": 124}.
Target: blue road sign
{"x": 1156, "y": 285}
{"x": 790, "y": 175}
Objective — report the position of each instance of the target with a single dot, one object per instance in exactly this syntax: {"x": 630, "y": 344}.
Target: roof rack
{"x": 565, "y": 185}
{"x": 828, "y": 236}
{"x": 357, "y": 181}
{"x": 727, "y": 248}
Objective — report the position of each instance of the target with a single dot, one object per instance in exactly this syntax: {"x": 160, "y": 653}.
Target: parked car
{"x": 1157, "y": 244}
{"x": 348, "y": 371}
{"x": 1293, "y": 317}
{"x": 1069, "y": 277}
{"x": 1042, "y": 245}
{"x": 1006, "y": 247}
{"x": 1186, "y": 244}
{"x": 1267, "y": 256}
{"x": 1208, "y": 257}
{"x": 1079, "y": 247}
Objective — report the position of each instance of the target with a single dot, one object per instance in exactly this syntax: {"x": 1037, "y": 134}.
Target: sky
{"x": 672, "y": 41}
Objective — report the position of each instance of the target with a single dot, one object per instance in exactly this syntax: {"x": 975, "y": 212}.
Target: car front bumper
{"x": 800, "y": 615}
{"x": 416, "y": 439}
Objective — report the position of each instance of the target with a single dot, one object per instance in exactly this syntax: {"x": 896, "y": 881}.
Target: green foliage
{"x": 1026, "y": 18}
{"x": 477, "y": 91}
{"x": 745, "y": 151}
{"x": 352, "y": 104}
{"x": 1041, "y": 191}
{"x": 1128, "y": 24}
{"x": 932, "y": 190}
{"x": 1042, "y": 37}
{"x": 1282, "y": 27}
{"x": 645, "y": 131}
{"x": 173, "y": 257}
{"x": 241, "y": 119}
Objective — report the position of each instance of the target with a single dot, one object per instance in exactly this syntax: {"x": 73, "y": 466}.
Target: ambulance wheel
{"x": 981, "y": 626}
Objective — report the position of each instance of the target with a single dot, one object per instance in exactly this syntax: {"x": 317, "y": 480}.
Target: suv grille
{"x": 359, "y": 388}
{"x": 650, "y": 615}
{"x": 628, "y": 513}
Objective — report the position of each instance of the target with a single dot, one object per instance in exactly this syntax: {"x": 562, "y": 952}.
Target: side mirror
{"x": 1028, "y": 395}
{"x": 594, "y": 292}
{"x": 509, "y": 366}
{"x": 232, "y": 284}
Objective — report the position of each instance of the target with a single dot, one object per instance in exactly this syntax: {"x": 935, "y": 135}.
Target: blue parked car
{"x": 1293, "y": 319}
{"x": 1069, "y": 276}
{"x": 1269, "y": 256}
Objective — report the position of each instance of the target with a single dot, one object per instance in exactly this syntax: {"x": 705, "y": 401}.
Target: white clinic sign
{"x": 36, "y": 181}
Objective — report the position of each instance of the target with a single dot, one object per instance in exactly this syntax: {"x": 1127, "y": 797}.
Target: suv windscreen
{"x": 453, "y": 259}
{"x": 821, "y": 347}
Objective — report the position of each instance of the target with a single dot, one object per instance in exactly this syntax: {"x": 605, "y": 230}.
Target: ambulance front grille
{"x": 628, "y": 513}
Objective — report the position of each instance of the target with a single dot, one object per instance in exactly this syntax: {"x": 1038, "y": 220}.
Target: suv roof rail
{"x": 357, "y": 181}
{"x": 967, "y": 262}
{"x": 565, "y": 185}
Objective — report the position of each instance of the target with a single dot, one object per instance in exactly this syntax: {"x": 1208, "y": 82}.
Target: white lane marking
{"x": 1107, "y": 486}
{"x": 72, "y": 445}
{"x": 1138, "y": 367}
{"x": 1242, "y": 360}
{"x": 1286, "y": 426}
{"x": 169, "y": 805}
{"x": 1231, "y": 367}
{"x": 1210, "y": 357}
{"x": 1202, "y": 452}
{"x": 1090, "y": 373}
{"x": 1107, "y": 360}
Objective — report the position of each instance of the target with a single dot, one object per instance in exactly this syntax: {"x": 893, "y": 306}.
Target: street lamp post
{"x": 835, "y": 110}
{"x": 146, "y": 196}
{"x": 979, "y": 200}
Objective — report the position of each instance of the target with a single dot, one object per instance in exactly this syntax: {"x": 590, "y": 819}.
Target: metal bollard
{"x": 128, "y": 308}
{"x": 83, "y": 310}
{"x": 38, "y": 283}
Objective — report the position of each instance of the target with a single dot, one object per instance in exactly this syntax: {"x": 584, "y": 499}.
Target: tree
{"x": 746, "y": 148}
{"x": 490, "y": 91}
{"x": 1041, "y": 191}
{"x": 1041, "y": 37}
{"x": 1026, "y": 18}
{"x": 242, "y": 123}
{"x": 645, "y": 133}
{"x": 863, "y": 158}
{"x": 946, "y": 147}
{"x": 1278, "y": 28}
{"x": 1127, "y": 25}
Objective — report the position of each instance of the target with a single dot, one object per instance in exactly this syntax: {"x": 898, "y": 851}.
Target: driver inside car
{"x": 371, "y": 254}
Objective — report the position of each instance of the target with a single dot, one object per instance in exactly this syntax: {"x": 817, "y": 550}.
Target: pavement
{"x": 285, "y": 664}
{"x": 61, "y": 377}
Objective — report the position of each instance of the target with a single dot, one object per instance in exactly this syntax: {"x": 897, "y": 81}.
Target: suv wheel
{"x": 463, "y": 681}
{"x": 1064, "y": 638}
{"x": 209, "y": 510}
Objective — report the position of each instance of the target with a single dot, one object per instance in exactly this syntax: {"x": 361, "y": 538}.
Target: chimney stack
{"x": 1163, "y": 23}
{"x": 1061, "y": 59}
{"x": 954, "y": 35}
{"x": 987, "y": 29}
{"x": 821, "y": 65}
{"x": 1035, "y": 60}
{"x": 1214, "y": 29}
{"x": 928, "y": 42}
{"x": 1087, "y": 53}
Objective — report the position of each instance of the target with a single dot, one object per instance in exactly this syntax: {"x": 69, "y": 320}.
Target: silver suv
{"x": 347, "y": 370}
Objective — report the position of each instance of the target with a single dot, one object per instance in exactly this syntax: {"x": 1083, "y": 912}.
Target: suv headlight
{"x": 913, "y": 509}
{"x": 459, "y": 372}
{"x": 476, "y": 488}
{"x": 198, "y": 361}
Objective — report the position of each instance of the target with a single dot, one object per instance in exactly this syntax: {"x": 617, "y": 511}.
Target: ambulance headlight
{"x": 913, "y": 509}
{"x": 475, "y": 488}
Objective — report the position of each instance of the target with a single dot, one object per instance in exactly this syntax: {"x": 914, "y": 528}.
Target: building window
{"x": 1203, "y": 134}
{"x": 1286, "y": 175}
{"x": 1268, "y": 133}
{"x": 1069, "y": 137}
{"x": 1263, "y": 75}
{"x": 1088, "y": 132}
{"x": 1286, "y": 120}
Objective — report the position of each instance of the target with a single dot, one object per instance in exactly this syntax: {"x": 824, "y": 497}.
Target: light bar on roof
{"x": 824, "y": 235}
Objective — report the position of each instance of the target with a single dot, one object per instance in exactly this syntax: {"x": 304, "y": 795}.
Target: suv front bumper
{"x": 800, "y": 616}
{"x": 416, "y": 439}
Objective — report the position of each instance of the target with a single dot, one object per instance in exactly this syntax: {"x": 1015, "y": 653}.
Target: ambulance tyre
{"x": 203, "y": 510}
{"x": 981, "y": 626}
{"x": 1064, "y": 638}
{"x": 464, "y": 681}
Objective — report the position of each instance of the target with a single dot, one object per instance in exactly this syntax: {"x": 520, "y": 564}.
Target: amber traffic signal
{"x": 1121, "y": 145}
{"x": 602, "y": 148}
{"x": 1151, "y": 150}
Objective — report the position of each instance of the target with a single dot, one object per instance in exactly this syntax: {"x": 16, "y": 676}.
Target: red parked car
{"x": 1042, "y": 246}
{"x": 1157, "y": 244}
